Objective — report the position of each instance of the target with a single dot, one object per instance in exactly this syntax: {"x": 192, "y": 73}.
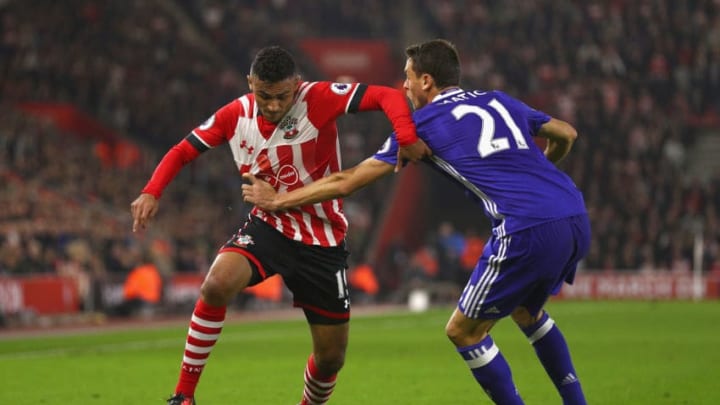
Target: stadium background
{"x": 94, "y": 92}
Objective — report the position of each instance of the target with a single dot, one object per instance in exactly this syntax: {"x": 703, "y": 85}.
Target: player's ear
{"x": 427, "y": 81}
{"x": 250, "y": 82}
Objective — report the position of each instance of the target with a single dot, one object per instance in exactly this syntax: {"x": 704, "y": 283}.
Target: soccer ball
{"x": 418, "y": 300}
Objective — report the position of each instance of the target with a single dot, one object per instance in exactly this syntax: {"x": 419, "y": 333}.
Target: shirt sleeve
{"x": 174, "y": 160}
{"x": 395, "y": 106}
{"x": 217, "y": 129}
{"x": 214, "y": 131}
{"x": 344, "y": 98}
{"x": 535, "y": 118}
{"x": 388, "y": 151}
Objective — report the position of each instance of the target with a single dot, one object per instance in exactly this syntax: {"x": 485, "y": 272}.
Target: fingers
{"x": 137, "y": 225}
{"x": 136, "y": 221}
{"x": 140, "y": 221}
{"x": 413, "y": 153}
{"x": 247, "y": 190}
{"x": 399, "y": 164}
{"x": 142, "y": 213}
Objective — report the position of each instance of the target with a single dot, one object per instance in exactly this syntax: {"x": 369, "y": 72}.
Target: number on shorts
{"x": 341, "y": 284}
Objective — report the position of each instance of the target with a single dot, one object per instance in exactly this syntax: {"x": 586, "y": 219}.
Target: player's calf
{"x": 552, "y": 351}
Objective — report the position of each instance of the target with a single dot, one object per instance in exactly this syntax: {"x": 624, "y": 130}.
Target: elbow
{"x": 559, "y": 131}
{"x": 567, "y": 132}
{"x": 571, "y": 134}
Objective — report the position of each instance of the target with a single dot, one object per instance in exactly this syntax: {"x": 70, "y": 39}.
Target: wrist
{"x": 406, "y": 139}
{"x": 152, "y": 192}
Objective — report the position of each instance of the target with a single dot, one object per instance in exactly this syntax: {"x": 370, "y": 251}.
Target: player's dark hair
{"x": 273, "y": 64}
{"x": 439, "y": 59}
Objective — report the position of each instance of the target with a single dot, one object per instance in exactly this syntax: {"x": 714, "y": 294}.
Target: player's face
{"x": 274, "y": 100}
{"x": 415, "y": 86}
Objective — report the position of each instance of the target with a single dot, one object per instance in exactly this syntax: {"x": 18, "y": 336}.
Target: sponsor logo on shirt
{"x": 287, "y": 175}
{"x": 244, "y": 145}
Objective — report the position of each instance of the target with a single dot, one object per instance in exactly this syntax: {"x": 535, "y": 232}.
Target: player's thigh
{"x": 229, "y": 273}
{"x": 500, "y": 280}
{"x": 266, "y": 250}
{"x": 330, "y": 341}
{"x": 556, "y": 248}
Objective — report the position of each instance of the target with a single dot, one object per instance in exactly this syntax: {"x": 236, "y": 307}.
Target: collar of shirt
{"x": 447, "y": 93}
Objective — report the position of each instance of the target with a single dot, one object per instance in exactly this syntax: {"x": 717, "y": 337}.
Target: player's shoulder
{"x": 326, "y": 89}
{"x": 501, "y": 95}
{"x": 243, "y": 106}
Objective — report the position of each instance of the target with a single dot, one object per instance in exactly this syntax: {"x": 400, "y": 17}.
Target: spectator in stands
{"x": 363, "y": 282}
{"x": 142, "y": 289}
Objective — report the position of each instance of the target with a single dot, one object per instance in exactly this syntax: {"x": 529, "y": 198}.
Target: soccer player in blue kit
{"x": 540, "y": 227}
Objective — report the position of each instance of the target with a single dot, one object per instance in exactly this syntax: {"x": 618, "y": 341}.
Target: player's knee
{"x": 524, "y": 319}
{"x": 329, "y": 364}
{"x": 463, "y": 331}
{"x": 214, "y": 292}
{"x": 455, "y": 333}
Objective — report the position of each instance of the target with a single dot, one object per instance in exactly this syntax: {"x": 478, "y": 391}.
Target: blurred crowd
{"x": 639, "y": 79}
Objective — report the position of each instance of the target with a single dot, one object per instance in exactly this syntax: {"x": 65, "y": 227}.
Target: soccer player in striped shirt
{"x": 284, "y": 132}
{"x": 482, "y": 140}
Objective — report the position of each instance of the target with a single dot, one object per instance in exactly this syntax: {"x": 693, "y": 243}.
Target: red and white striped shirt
{"x": 301, "y": 148}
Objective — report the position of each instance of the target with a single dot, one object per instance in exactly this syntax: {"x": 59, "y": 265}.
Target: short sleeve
{"x": 388, "y": 151}
{"x": 535, "y": 118}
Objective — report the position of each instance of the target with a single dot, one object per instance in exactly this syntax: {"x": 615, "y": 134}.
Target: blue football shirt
{"x": 483, "y": 141}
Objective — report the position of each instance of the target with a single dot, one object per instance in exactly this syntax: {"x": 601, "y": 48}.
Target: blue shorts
{"x": 525, "y": 268}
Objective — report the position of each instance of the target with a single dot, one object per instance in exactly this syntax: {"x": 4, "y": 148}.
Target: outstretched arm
{"x": 144, "y": 208}
{"x": 560, "y": 138}
{"x": 336, "y": 185}
{"x": 396, "y": 108}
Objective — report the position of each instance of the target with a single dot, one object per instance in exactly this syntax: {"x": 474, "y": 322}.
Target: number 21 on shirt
{"x": 488, "y": 143}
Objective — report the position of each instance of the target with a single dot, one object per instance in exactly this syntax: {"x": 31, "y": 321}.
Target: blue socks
{"x": 492, "y": 371}
{"x": 552, "y": 350}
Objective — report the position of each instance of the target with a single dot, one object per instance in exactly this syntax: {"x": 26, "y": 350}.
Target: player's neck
{"x": 447, "y": 89}
{"x": 434, "y": 93}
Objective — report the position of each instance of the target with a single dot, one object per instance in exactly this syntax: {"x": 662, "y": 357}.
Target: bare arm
{"x": 336, "y": 185}
{"x": 560, "y": 138}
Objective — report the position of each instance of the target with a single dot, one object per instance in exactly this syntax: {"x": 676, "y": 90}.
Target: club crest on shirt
{"x": 340, "y": 88}
{"x": 289, "y": 126}
{"x": 242, "y": 241}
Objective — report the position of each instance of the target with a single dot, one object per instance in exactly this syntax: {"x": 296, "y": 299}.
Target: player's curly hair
{"x": 439, "y": 59}
{"x": 273, "y": 64}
